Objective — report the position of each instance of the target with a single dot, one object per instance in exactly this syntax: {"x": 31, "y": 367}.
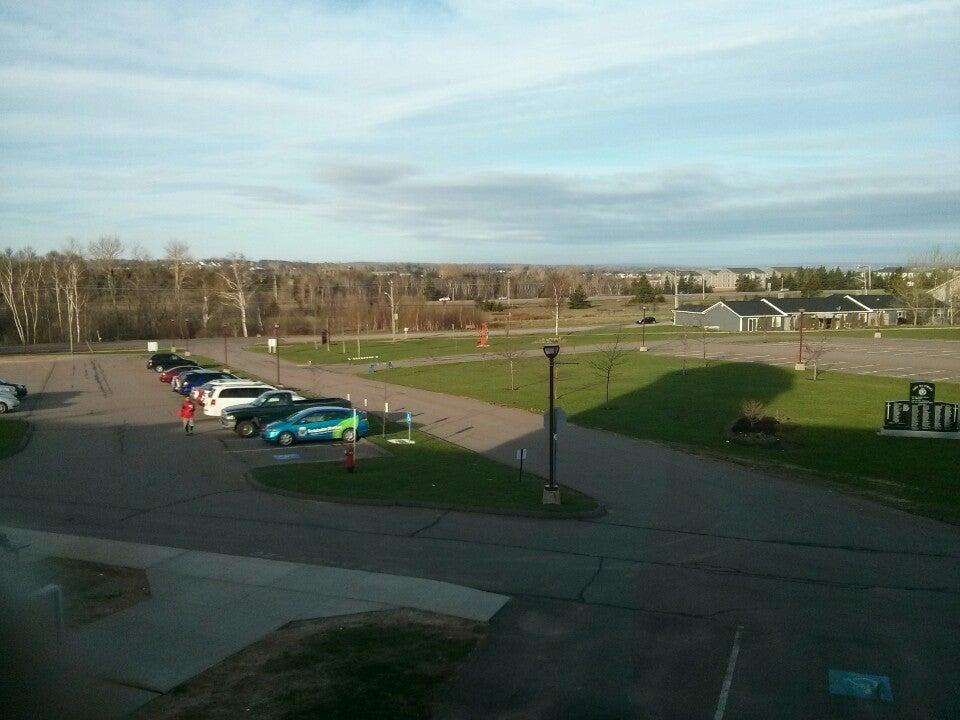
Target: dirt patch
{"x": 91, "y": 590}
{"x": 386, "y": 664}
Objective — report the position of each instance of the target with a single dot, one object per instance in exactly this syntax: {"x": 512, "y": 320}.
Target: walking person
{"x": 187, "y": 411}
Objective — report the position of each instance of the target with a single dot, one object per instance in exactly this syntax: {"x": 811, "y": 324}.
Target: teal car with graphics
{"x": 317, "y": 423}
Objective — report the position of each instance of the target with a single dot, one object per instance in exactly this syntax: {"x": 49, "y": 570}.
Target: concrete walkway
{"x": 204, "y": 607}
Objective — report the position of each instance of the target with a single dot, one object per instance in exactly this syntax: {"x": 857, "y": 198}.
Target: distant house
{"x": 726, "y": 278}
{"x": 776, "y": 313}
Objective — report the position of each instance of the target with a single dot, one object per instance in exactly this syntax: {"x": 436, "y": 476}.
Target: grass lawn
{"x": 373, "y": 665}
{"x": 835, "y": 417}
{"x": 431, "y": 472}
{"x": 381, "y": 351}
{"x": 11, "y": 433}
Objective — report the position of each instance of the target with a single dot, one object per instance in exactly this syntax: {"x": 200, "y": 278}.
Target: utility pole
{"x": 703, "y": 286}
{"x": 223, "y": 326}
{"x": 508, "y": 290}
{"x": 800, "y": 349}
{"x": 393, "y": 315}
{"x": 676, "y": 291}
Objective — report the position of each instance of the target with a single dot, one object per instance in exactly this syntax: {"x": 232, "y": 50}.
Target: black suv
{"x": 162, "y": 361}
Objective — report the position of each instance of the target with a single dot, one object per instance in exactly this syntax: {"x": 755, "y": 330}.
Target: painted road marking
{"x": 860, "y": 367}
{"x": 287, "y": 456}
{"x": 859, "y": 685}
{"x": 728, "y": 678}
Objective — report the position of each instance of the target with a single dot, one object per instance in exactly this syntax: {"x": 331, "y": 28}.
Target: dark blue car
{"x": 190, "y": 380}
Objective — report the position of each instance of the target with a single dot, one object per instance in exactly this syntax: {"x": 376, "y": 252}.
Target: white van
{"x": 221, "y": 397}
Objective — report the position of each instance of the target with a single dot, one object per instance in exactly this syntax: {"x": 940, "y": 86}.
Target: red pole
{"x": 800, "y": 352}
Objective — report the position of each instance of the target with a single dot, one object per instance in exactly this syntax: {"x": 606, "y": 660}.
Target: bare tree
{"x": 815, "y": 352}
{"x": 509, "y": 352}
{"x": 104, "y": 254}
{"x": 556, "y": 285}
{"x": 178, "y": 260}
{"x": 608, "y": 360}
{"x": 236, "y": 278}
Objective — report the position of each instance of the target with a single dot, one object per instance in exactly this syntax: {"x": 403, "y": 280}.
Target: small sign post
{"x": 521, "y": 456}
{"x": 409, "y": 417}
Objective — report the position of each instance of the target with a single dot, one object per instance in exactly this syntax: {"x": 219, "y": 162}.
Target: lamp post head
{"x": 551, "y": 351}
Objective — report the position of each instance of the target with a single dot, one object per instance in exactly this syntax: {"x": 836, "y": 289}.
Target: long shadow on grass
{"x": 692, "y": 406}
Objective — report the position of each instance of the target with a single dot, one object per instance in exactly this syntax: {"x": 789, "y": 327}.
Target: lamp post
{"x": 276, "y": 335}
{"x": 551, "y": 351}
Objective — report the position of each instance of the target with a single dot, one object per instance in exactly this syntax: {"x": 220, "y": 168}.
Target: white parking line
{"x": 728, "y": 678}
{"x": 859, "y": 367}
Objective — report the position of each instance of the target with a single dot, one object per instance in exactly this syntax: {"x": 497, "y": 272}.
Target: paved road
{"x": 635, "y": 614}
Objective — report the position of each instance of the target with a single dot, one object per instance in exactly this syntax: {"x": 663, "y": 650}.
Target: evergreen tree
{"x": 578, "y": 299}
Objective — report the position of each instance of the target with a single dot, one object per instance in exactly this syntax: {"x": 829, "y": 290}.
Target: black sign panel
{"x": 922, "y": 392}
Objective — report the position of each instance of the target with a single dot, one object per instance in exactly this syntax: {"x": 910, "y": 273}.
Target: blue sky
{"x": 567, "y": 132}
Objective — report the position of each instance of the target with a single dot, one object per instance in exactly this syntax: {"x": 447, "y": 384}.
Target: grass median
{"x": 431, "y": 472}
{"x": 12, "y": 433}
{"x": 832, "y": 421}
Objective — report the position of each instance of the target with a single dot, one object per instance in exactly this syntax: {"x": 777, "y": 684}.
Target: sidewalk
{"x": 203, "y": 607}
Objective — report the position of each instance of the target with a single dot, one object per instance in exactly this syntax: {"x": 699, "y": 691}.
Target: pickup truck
{"x": 246, "y": 420}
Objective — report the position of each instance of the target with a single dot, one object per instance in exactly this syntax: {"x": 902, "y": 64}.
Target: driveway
{"x": 703, "y": 576}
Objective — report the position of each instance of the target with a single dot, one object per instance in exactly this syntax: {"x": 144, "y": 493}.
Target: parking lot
{"x": 707, "y": 587}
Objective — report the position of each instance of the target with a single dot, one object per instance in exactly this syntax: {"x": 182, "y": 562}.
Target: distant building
{"x": 776, "y": 313}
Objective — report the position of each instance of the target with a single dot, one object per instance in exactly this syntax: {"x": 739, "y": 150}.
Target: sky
{"x": 514, "y": 131}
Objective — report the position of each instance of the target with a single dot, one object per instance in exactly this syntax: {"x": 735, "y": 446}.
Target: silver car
{"x": 8, "y": 400}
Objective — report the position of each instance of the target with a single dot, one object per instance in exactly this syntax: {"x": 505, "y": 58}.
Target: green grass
{"x": 11, "y": 435}
{"x": 431, "y": 472}
{"x": 382, "y": 351}
{"x": 835, "y": 417}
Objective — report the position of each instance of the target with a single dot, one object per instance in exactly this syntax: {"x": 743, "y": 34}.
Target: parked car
{"x": 225, "y": 397}
{"x": 163, "y": 361}
{"x": 16, "y": 388}
{"x": 178, "y": 379}
{"x": 200, "y": 392}
{"x": 169, "y": 374}
{"x": 318, "y": 423}
{"x": 247, "y": 420}
{"x": 188, "y": 381}
{"x": 648, "y": 320}
{"x": 8, "y": 399}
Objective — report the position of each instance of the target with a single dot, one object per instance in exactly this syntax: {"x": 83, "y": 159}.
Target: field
{"x": 431, "y": 472}
{"x": 834, "y": 419}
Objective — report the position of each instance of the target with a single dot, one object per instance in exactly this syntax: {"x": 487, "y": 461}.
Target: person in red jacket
{"x": 187, "y": 411}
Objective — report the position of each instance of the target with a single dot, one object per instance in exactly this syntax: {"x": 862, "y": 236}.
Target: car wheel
{"x": 286, "y": 438}
{"x": 347, "y": 435}
{"x": 3, "y": 408}
{"x": 246, "y": 429}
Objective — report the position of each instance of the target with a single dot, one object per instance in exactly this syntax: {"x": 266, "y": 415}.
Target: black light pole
{"x": 551, "y": 351}
{"x": 276, "y": 336}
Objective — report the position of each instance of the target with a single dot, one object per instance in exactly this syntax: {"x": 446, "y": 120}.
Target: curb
{"x": 599, "y": 511}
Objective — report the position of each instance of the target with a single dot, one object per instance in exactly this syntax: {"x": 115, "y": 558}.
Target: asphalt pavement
{"x": 708, "y": 590}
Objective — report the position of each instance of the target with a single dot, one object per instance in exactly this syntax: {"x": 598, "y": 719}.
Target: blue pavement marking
{"x": 287, "y": 456}
{"x": 859, "y": 685}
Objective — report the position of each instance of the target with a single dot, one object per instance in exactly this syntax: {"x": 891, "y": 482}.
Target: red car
{"x": 168, "y": 375}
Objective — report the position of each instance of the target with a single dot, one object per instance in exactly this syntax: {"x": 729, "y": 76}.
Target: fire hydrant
{"x": 349, "y": 462}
